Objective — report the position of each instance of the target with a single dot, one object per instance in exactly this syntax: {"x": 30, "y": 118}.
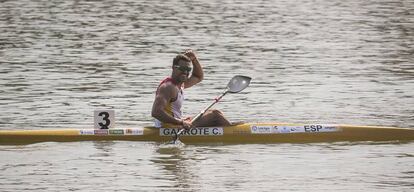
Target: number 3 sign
{"x": 104, "y": 119}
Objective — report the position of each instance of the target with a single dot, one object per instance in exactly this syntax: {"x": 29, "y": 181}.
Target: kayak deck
{"x": 243, "y": 133}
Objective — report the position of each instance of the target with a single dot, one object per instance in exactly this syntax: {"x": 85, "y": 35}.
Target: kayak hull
{"x": 243, "y": 133}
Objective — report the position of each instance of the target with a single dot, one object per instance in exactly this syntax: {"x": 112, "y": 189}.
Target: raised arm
{"x": 197, "y": 75}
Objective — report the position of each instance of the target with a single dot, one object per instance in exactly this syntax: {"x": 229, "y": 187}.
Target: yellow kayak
{"x": 243, "y": 133}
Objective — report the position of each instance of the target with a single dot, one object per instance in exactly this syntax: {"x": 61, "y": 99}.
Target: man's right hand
{"x": 187, "y": 123}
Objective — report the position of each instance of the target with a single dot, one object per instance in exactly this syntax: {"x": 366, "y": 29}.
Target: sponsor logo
{"x": 198, "y": 131}
{"x": 86, "y": 132}
{"x": 331, "y": 129}
{"x": 116, "y": 131}
{"x": 137, "y": 131}
{"x": 256, "y": 129}
{"x": 284, "y": 129}
{"x": 295, "y": 129}
{"x": 100, "y": 131}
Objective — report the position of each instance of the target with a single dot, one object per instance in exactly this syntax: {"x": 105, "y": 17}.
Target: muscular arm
{"x": 166, "y": 93}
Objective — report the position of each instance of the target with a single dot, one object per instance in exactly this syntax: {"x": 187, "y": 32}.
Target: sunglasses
{"x": 183, "y": 68}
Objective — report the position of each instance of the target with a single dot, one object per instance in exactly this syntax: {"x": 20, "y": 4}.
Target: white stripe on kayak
{"x": 273, "y": 129}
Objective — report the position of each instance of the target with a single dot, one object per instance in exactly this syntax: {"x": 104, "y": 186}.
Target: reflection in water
{"x": 194, "y": 167}
{"x": 175, "y": 161}
{"x": 140, "y": 166}
{"x": 104, "y": 148}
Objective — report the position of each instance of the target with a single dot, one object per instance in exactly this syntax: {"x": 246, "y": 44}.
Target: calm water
{"x": 311, "y": 61}
{"x": 128, "y": 166}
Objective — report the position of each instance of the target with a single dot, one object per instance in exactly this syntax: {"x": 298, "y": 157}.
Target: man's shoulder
{"x": 168, "y": 86}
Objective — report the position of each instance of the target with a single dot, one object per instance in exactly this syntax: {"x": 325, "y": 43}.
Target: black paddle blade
{"x": 238, "y": 83}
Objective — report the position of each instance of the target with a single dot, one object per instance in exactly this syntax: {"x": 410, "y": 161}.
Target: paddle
{"x": 235, "y": 85}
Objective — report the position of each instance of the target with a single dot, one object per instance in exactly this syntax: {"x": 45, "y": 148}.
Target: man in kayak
{"x": 169, "y": 97}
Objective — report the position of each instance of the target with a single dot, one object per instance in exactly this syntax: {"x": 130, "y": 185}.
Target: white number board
{"x": 104, "y": 119}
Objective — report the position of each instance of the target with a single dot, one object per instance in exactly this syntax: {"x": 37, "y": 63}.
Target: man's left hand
{"x": 191, "y": 54}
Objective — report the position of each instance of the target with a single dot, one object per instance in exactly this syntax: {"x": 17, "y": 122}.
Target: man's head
{"x": 181, "y": 68}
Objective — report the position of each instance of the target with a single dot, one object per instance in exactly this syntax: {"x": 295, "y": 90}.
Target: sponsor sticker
{"x": 330, "y": 128}
{"x": 100, "y": 132}
{"x": 295, "y": 129}
{"x": 116, "y": 131}
{"x": 86, "y": 132}
{"x": 198, "y": 131}
{"x": 256, "y": 129}
{"x": 131, "y": 131}
{"x": 134, "y": 131}
{"x": 283, "y": 129}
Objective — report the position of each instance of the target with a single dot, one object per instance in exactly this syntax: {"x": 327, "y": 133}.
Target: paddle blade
{"x": 238, "y": 83}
